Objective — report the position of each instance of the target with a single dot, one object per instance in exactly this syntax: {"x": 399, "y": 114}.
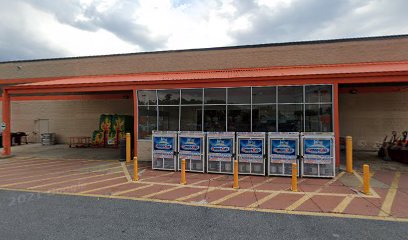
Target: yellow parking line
{"x": 143, "y": 179}
{"x": 36, "y": 163}
{"x": 263, "y": 200}
{"x": 389, "y": 198}
{"x": 51, "y": 169}
{"x": 343, "y": 204}
{"x": 97, "y": 167}
{"x": 299, "y": 202}
{"x": 196, "y": 204}
{"x": 207, "y": 180}
{"x": 14, "y": 175}
{"x": 226, "y": 198}
{"x": 201, "y": 181}
{"x": 88, "y": 183}
{"x": 360, "y": 179}
{"x": 307, "y": 196}
{"x": 35, "y": 166}
{"x": 41, "y": 171}
{"x": 14, "y": 162}
{"x": 105, "y": 187}
{"x": 241, "y": 192}
{"x": 161, "y": 192}
{"x": 70, "y": 180}
{"x": 209, "y": 189}
{"x": 132, "y": 190}
{"x": 194, "y": 194}
{"x": 49, "y": 178}
{"x": 221, "y": 187}
{"x": 126, "y": 172}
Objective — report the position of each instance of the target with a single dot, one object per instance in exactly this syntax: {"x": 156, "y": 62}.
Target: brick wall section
{"x": 335, "y": 52}
{"x": 368, "y": 117}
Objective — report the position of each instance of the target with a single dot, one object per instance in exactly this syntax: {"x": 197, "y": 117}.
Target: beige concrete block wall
{"x": 66, "y": 118}
{"x": 368, "y": 117}
{"x": 70, "y": 118}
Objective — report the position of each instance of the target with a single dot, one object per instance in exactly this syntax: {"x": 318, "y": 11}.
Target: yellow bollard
{"x": 366, "y": 179}
{"x": 128, "y": 148}
{"x": 236, "y": 185}
{"x": 349, "y": 154}
{"x": 135, "y": 169}
{"x": 294, "y": 177}
{"x": 183, "y": 172}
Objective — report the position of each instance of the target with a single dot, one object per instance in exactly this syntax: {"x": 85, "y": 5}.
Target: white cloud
{"x": 48, "y": 28}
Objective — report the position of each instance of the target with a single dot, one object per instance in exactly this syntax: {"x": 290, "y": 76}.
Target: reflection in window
{"x": 318, "y": 93}
{"x": 168, "y": 118}
{"x": 239, "y": 118}
{"x": 215, "y": 96}
{"x": 169, "y": 97}
{"x": 281, "y": 108}
{"x": 147, "y": 97}
{"x": 290, "y": 118}
{"x": 191, "y": 118}
{"x": 239, "y": 95}
{"x": 214, "y": 118}
{"x": 192, "y": 96}
{"x": 290, "y": 94}
{"x": 264, "y": 118}
{"x": 147, "y": 121}
{"x": 263, "y": 95}
{"x": 318, "y": 118}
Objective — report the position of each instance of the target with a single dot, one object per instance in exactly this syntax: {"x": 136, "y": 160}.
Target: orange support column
{"x": 6, "y": 123}
{"x": 135, "y": 122}
{"x": 336, "y": 122}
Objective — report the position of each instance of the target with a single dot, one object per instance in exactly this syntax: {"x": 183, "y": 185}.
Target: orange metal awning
{"x": 338, "y": 72}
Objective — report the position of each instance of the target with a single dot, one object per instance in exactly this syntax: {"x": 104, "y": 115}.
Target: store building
{"x": 354, "y": 87}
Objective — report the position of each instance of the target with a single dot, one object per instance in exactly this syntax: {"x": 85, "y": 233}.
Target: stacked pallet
{"x": 48, "y": 139}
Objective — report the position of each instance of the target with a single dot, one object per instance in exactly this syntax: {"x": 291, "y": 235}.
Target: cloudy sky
{"x": 34, "y": 29}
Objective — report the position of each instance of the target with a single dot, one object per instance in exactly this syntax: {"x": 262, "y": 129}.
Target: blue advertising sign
{"x": 250, "y": 150}
{"x": 283, "y": 151}
{"x": 163, "y": 147}
{"x": 190, "y": 148}
{"x": 318, "y": 151}
{"x": 220, "y": 149}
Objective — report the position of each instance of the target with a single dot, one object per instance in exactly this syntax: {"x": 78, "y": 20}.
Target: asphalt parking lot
{"x": 27, "y": 215}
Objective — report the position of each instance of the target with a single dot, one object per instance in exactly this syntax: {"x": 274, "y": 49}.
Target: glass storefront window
{"x": 318, "y": 93}
{"x": 215, "y": 96}
{"x": 147, "y": 97}
{"x": 192, "y": 96}
{"x": 169, "y": 97}
{"x": 318, "y": 118}
{"x": 239, "y": 118}
{"x": 147, "y": 121}
{"x": 282, "y": 108}
{"x": 290, "y": 118}
{"x": 214, "y": 118}
{"x": 263, "y": 95}
{"x": 264, "y": 118}
{"x": 239, "y": 95}
{"x": 290, "y": 94}
{"x": 168, "y": 118}
{"x": 191, "y": 118}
